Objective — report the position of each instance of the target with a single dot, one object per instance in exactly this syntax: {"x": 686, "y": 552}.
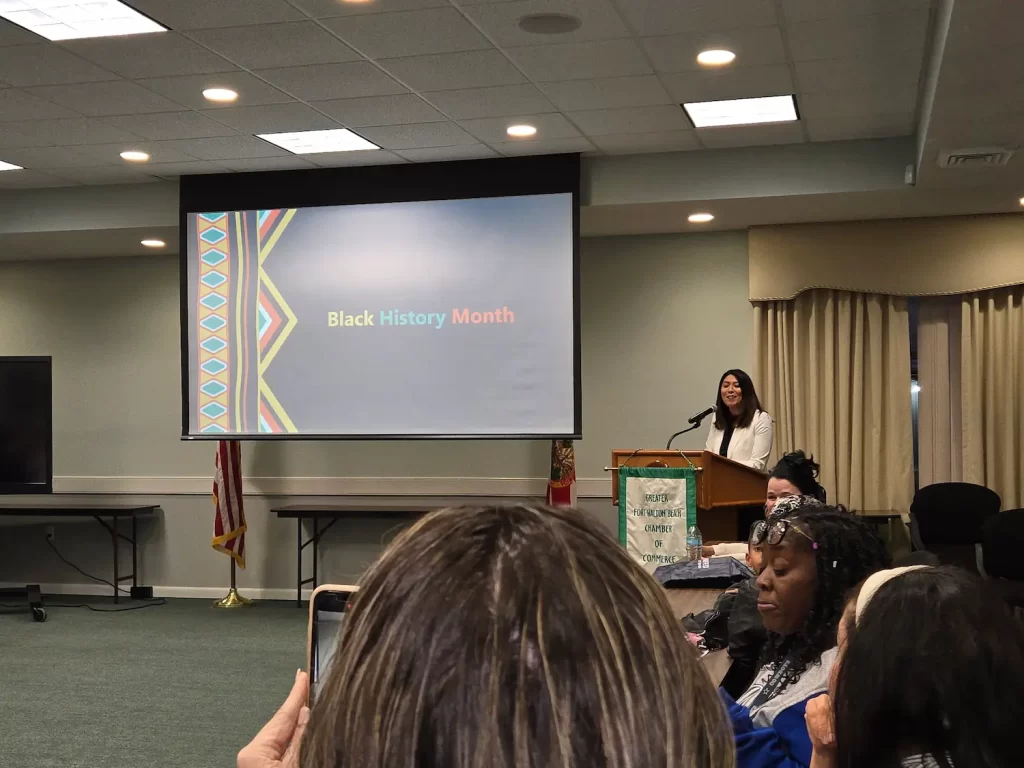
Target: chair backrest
{"x": 1002, "y": 543}
{"x": 953, "y": 513}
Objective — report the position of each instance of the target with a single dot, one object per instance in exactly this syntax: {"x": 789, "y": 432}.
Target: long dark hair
{"x": 848, "y": 552}
{"x": 802, "y": 471}
{"x": 751, "y": 404}
{"x": 935, "y": 666}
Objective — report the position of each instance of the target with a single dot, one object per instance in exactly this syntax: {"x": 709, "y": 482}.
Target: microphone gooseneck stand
{"x": 668, "y": 446}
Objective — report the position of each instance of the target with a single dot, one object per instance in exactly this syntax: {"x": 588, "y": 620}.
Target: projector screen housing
{"x": 419, "y": 301}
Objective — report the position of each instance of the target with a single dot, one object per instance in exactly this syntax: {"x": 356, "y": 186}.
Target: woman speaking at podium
{"x": 742, "y": 431}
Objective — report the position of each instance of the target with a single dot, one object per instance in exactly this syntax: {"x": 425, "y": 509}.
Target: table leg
{"x": 298, "y": 558}
{"x": 316, "y": 546}
{"x": 113, "y": 537}
{"x": 135, "y": 550}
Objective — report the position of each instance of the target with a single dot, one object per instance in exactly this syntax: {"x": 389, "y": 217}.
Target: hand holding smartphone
{"x": 327, "y": 607}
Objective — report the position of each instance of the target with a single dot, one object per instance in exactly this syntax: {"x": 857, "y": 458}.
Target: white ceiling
{"x": 441, "y": 79}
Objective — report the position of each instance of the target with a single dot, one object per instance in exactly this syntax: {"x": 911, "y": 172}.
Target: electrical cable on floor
{"x": 150, "y": 603}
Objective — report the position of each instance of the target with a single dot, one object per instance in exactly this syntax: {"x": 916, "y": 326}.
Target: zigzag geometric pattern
{"x": 275, "y": 321}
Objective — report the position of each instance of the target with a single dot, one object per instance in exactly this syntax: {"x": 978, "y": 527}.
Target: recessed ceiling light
{"x": 68, "y": 20}
{"x": 1021, "y": 201}
{"x": 766, "y": 109}
{"x": 521, "y": 131}
{"x": 309, "y": 142}
{"x": 10, "y": 166}
{"x": 154, "y": 243}
{"x": 700, "y": 218}
{"x": 134, "y": 156}
{"x": 716, "y": 57}
{"x": 220, "y": 94}
{"x": 550, "y": 23}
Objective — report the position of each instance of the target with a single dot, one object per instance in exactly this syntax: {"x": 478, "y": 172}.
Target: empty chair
{"x": 947, "y": 519}
{"x": 1001, "y": 545}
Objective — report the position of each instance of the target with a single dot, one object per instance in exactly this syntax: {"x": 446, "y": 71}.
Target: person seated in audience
{"x": 929, "y": 675}
{"x": 518, "y": 636}
{"x": 794, "y": 475}
{"x": 812, "y": 557}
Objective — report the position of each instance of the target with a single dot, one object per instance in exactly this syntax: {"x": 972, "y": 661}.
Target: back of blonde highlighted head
{"x": 518, "y": 637}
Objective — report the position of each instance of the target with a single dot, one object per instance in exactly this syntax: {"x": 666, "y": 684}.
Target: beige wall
{"x": 662, "y": 316}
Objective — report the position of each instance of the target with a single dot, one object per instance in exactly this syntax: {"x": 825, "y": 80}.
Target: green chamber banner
{"x": 656, "y": 507}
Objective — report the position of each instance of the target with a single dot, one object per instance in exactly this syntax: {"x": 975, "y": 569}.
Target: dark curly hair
{"x": 848, "y": 552}
{"x": 802, "y": 471}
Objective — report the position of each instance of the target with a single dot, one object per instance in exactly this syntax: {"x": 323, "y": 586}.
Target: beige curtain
{"x": 939, "y": 413}
{"x": 992, "y": 374}
{"x": 833, "y": 369}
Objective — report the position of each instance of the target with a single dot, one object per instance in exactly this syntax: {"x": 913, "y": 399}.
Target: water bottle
{"x": 694, "y": 544}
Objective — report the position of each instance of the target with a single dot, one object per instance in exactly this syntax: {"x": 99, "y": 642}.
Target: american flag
{"x": 229, "y": 517}
{"x": 562, "y": 482}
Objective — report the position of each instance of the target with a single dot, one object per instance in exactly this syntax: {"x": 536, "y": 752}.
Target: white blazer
{"x": 749, "y": 445}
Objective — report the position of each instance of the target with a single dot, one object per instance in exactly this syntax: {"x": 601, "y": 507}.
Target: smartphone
{"x": 327, "y": 607}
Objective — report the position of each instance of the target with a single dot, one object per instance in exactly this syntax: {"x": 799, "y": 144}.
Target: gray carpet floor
{"x": 179, "y": 685}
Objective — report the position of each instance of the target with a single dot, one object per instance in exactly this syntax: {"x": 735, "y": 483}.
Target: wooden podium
{"x": 722, "y": 486}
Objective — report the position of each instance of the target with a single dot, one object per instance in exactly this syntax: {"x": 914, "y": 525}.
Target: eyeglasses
{"x": 774, "y": 532}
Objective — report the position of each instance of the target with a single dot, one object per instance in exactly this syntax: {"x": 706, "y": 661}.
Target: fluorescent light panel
{"x": 766, "y": 109}
{"x": 10, "y": 166}
{"x": 68, "y": 20}
{"x": 309, "y": 142}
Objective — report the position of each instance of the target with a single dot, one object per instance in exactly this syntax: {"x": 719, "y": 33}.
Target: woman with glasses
{"x": 812, "y": 557}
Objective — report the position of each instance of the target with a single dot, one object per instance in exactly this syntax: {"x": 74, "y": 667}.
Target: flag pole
{"x": 232, "y": 599}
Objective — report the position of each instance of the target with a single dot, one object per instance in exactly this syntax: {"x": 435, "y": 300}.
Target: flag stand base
{"x": 232, "y": 599}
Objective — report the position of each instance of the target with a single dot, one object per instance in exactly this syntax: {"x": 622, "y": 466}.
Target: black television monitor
{"x": 26, "y": 425}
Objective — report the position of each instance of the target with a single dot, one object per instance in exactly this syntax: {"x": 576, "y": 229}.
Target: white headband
{"x": 874, "y": 583}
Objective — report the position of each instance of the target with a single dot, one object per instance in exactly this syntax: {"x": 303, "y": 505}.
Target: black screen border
{"x": 456, "y": 180}
{"x": 27, "y": 489}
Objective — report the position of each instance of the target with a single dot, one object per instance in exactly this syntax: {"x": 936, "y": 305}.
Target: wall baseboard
{"x": 198, "y": 593}
{"x": 327, "y": 486}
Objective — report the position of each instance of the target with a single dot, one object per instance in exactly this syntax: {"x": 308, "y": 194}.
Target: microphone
{"x": 694, "y": 422}
{"x": 697, "y": 418}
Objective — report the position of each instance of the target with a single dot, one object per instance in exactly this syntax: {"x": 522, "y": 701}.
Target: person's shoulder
{"x": 763, "y": 417}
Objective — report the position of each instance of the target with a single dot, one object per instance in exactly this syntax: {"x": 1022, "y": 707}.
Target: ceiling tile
{"x": 637, "y": 143}
{"x": 171, "y": 125}
{"x": 449, "y": 71}
{"x": 27, "y": 65}
{"x": 188, "y": 90}
{"x": 416, "y": 135}
{"x": 322, "y": 82}
{"x": 359, "y": 157}
{"x": 138, "y": 56}
{"x": 865, "y": 127}
{"x": 201, "y": 14}
{"x": 105, "y": 174}
{"x": 409, "y": 33}
{"x": 322, "y": 9}
{"x": 739, "y": 83}
{"x": 837, "y": 74}
{"x": 809, "y": 10}
{"x": 273, "y": 118}
{"x": 753, "y": 46}
{"x": 117, "y": 97}
{"x": 380, "y": 110}
{"x": 228, "y": 148}
{"x": 751, "y": 135}
{"x": 32, "y": 180}
{"x": 47, "y": 157}
{"x": 493, "y": 129}
{"x": 860, "y": 37}
{"x": 19, "y": 105}
{"x": 862, "y": 101}
{"x": 607, "y": 93}
{"x": 438, "y": 154}
{"x": 581, "y": 61}
{"x": 292, "y": 163}
{"x": 110, "y": 154}
{"x": 543, "y": 147}
{"x": 173, "y": 170}
{"x": 69, "y": 132}
{"x": 600, "y": 122}
{"x": 12, "y": 34}
{"x": 261, "y": 46}
{"x": 500, "y": 21}
{"x": 499, "y": 101}
{"x": 665, "y": 17}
